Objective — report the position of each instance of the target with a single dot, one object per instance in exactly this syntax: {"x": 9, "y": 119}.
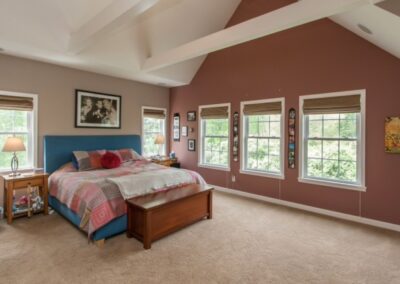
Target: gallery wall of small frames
{"x": 184, "y": 130}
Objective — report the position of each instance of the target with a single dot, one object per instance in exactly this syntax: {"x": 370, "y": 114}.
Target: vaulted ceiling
{"x": 164, "y": 42}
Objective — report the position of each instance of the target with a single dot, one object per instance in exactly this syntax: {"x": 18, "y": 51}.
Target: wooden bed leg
{"x": 100, "y": 243}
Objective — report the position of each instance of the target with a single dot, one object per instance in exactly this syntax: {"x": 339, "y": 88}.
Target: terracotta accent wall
{"x": 55, "y": 87}
{"x": 319, "y": 57}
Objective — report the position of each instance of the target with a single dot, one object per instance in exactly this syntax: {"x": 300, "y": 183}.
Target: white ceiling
{"x": 116, "y": 37}
{"x": 384, "y": 25}
{"x": 77, "y": 12}
{"x": 42, "y": 29}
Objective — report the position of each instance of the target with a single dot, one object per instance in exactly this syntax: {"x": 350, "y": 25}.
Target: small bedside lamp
{"x": 14, "y": 144}
{"x": 160, "y": 140}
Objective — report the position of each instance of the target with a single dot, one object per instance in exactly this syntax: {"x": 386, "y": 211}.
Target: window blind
{"x": 16, "y": 103}
{"x": 342, "y": 104}
{"x": 154, "y": 113}
{"x": 262, "y": 108}
{"x": 214, "y": 112}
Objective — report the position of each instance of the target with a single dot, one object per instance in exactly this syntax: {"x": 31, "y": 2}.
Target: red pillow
{"x": 110, "y": 161}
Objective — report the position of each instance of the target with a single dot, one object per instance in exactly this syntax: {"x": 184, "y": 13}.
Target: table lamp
{"x": 160, "y": 140}
{"x": 14, "y": 144}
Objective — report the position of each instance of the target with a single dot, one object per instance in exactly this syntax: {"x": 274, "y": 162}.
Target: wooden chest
{"x": 152, "y": 216}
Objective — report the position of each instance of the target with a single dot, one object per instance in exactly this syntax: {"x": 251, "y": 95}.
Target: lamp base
{"x": 14, "y": 166}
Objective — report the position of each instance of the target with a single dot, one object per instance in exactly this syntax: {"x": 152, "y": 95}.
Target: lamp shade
{"x": 13, "y": 144}
{"x": 160, "y": 139}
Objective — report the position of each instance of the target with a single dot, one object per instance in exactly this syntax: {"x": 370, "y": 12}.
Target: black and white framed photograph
{"x": 184, "y": 131}
{"x": 176, "y": 127}
{"x": 97, "y": 110}
{"x": 191, "y": 116}
{"x": 191, "y": 145}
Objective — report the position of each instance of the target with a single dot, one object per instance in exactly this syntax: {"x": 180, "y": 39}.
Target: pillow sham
{"x": 89, "y": 160}
{"x": 110, "y": 160}
{"x": 127, "y": 155}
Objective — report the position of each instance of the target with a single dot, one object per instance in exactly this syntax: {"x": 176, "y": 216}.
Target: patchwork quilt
{"x": 97, "y": 200}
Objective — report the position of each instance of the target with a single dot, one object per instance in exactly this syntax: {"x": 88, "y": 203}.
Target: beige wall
{"x": 55, "y": 87}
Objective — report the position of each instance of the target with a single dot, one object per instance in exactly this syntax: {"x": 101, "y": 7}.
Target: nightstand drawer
{"x": 26, "y": 183}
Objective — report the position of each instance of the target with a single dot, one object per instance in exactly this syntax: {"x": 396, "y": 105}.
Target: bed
{"x": 107, "y": 218}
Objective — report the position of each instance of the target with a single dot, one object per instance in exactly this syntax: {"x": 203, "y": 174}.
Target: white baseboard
{"x": 348, "y": 217}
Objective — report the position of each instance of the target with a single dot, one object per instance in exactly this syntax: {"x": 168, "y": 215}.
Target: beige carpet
{"x": 246, "y": 242}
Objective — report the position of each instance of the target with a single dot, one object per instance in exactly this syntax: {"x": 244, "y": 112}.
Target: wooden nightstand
{"x": 24, "y": 181}
{"x": 165, "y": 161}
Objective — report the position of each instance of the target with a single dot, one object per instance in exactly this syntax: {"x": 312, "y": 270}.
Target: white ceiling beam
{"x": 112, "y": 17}
{"x": 290, "y": 16}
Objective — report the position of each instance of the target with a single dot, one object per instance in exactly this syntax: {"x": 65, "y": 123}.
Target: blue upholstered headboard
{"x": 58, "y": 149}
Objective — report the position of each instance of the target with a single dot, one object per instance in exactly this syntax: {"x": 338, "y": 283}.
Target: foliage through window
{"x": 215, "y": 142}
{"x": 152, "y": 126}
{"x": 20, "y": 124}
{"x": 331, "y": 146}
{"x": 262, "y": 143}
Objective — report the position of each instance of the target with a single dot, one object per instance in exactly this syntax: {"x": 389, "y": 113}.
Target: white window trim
{"x": 165, "y": 126}
{"x": 242, "y": 140}
{"x": 200, "y": 142}
{"x": 35, "y": 145}
{"x": 361, "y": 141}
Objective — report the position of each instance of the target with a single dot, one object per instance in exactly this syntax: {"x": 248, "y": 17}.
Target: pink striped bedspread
{"x": 94, "y": 199}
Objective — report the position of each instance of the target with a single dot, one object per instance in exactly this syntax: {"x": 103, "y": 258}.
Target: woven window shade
{"x": 16, "y": 103}
{"x": 343, "y": 104}
{"x": 214, "y": 112}
{"x": 262, "y": 108}
{"x": 154, "y": 113}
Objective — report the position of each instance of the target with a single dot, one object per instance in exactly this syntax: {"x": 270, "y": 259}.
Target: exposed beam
{"x": 113, "y": 16}
{"x": 290, "y": 16}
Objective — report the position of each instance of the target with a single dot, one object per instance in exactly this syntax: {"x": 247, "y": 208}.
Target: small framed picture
{"x": 191, "y": 145}
{"x": 176, "y": 127}
{"x": 392, "y": 135}
{"x": 191, "y": 116}
{"x": 184, "y": 131}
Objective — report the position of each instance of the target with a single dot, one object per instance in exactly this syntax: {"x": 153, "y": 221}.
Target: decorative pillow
{"x": 127, "y": 155}
{"x": 89, "y": 160}
{"x": 110, "y": 160}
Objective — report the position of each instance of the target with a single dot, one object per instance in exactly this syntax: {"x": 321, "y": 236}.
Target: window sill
{"x": 333, "y": 184}
{"x": 214, "y": 167}
{"x": 261, "y": 174}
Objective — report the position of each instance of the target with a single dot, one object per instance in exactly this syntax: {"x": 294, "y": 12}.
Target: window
{"x": 18, "y": 118}
{"x": 154, "y": 120}
{"x": 333, "y": 139}
{"x": 262, "y": 137}
{"x": 214, "y": 132}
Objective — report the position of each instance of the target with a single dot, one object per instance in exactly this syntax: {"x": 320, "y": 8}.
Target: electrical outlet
{"x": 233, "y": 178}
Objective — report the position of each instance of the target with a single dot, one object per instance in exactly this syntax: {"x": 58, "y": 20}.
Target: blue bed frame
{"x": 58, "y": 151}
